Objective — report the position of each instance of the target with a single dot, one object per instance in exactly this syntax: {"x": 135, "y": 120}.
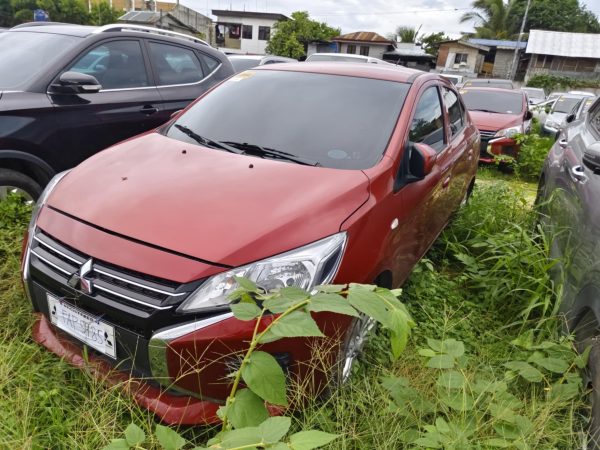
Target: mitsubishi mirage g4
{"x": 289, "y": 175}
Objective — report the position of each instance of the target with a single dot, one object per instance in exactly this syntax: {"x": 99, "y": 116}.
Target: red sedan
{"x": 289, "y": 175}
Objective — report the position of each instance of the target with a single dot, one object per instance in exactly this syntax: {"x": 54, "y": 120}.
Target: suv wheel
{"x": 352, "y": 347}
{"x": 15, "y": 182}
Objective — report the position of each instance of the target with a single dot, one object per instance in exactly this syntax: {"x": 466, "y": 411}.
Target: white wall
{"x": 375, "y": 50}
{"x": 249, "y": 46}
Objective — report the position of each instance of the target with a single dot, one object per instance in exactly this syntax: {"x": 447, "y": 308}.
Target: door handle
{"x": 470, "y": 154}
{"x": 563, "y": 143}
{"x": 148, "y": 110}
{"x": 446, "y": 182}
{"x": 577, "y": 174}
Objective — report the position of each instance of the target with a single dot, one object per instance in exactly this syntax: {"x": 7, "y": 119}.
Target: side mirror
{"x": 422, "y": 160}
{"x": 570, "y": 118}
{"x": 76, "y": 83}
{"x": 528, "y": 115}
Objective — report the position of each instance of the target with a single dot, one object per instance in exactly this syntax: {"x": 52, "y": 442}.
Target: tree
{"x": 491, "y": 18}
{"x": 102, "y": 14}
{"x": 554, "y": 15}
{"x": 6, "y": 13}
{"x": 404, "y": 34}
{"x": 291, "y": 37}
{"x": 431, "y": 42}
{"x": 69, "y": 11}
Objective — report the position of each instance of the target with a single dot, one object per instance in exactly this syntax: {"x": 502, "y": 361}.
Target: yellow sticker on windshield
{"x": 243, "y": 75}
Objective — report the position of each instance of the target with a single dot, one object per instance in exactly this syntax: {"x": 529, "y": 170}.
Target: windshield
{"x": 338, "y": 121}
{"x": 534, "y": 93}
{"x": 23, "y": 55}
{"x": 334, "y": 57}
{"x": 505, "y": 84}
{"x": 493, "y": 101}
{"x": 241, "y": 64}
{"x": 566, "y": 104}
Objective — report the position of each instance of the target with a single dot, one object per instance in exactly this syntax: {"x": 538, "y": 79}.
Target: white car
{"x": 345, "y": 57}
{"x": 245, "y": 62}
{"x": 565, "y": 106}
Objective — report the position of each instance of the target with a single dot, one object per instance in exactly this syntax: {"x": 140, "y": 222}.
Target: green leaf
{"x": 332, "y": 303}
{"x": 296, "y": 324}
{"x": 265, "y": 377}
{"x": 428, "y": 441}
{"x": 553, "y": 364}
{"x": 498, "y": 443}
{"x": 526, "y": 370}
{"x": 168, "y": 438}
{"x": 435, "y": 345}
{"x": 457, "y": 400}
{"x": 427, "y": 352}
{"x": 242, "y": 437}
{"x": 564, "y": 392}
{"x": 451, "y": 379}
{"x": 117, "y": 444}
{"x": 293, "y": 293}
{"x": 442, "y": 425}
{"x": 367, "y": 302}
{"x": 331, "y": 288}
{"x": 453, "y": 348}
{"x": 245, "y": 311}
{"x": 524, "y": 340}
{"x": 134, "y": 435}
{"x": 582, "y": 359}
{"x": 441, "y": 362}
{"x": 245, "y": 283}
{"x": 307, "y": 440}
{"x": 279, "y": 446}
{"x": 247, "y": 409}
{"x": 274, "y": 428}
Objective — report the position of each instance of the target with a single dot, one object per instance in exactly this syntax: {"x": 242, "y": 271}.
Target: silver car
{"x": 245, "y": 62}
{"x": 565, "y": 105}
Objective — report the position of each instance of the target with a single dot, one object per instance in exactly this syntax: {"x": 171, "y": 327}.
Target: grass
{"x": 484, "y": 284}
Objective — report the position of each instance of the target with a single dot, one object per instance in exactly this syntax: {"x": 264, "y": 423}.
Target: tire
{"x": 11, "y": 180}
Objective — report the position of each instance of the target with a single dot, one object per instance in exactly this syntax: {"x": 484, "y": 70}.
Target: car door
{"x": 182, "y": 74}
{"x": 127, "y": 104}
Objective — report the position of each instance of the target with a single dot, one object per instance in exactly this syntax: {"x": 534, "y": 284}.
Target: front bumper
{"x": 171, "y": 408}
{"x": 503, "y": 146}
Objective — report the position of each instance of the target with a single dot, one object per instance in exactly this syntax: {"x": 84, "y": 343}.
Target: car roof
{"x": 253, "y": 57}
{"x": 55, "y": 28}
{"x": 376, "y": 71}
{"x": 349, "y": 55}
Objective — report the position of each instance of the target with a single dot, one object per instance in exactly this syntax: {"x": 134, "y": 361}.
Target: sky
{"x": 381, "y": 16}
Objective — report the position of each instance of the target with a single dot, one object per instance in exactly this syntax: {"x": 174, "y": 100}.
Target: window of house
{"x": 175, "y": 65}
{"x": 461, "y": 58}
{"x": 246, "y": 31}
{"x": 264, "y": 33}
{"x": 364, "y": 50}
{"x": 351, "y": 49}
{"x": 428, "y": 122}
{"x": 455, "y": 111}
{"x": 116, "y": 65}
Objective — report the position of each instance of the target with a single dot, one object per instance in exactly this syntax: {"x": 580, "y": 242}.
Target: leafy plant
{"x": 556, "y": 82}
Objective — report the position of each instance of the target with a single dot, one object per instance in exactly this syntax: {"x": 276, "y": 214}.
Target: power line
{"x": 381, "y": 13}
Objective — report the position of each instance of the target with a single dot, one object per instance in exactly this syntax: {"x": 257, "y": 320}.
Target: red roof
{"x": 363, "y": 36}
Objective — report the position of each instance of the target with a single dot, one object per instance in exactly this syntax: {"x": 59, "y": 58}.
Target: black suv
{"x": 69, "y": 91}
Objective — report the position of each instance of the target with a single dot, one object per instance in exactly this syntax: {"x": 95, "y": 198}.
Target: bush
{"x": 553, "y": 82}
{"x": 533, "y": 152}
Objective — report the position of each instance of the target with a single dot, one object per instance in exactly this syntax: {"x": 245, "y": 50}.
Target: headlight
{"x": 510, "y": 132}
{"x": 304, "y": 267}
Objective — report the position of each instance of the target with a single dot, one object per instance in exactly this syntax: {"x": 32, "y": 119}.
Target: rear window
{"x": 313, "y": 58}
{"x": 492, "y": 101}
{"x": 338, "y": 121}
{"x": 504, "y": 84}
{"x": 241, "y": 64}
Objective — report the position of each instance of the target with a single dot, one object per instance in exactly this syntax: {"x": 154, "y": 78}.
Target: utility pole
{"x": 515, "y": 62}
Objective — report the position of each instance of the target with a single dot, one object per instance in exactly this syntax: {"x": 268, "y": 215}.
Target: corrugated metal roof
{"x": 560, "y": 43}
{"x": 497, "y": 43}
{"x": 141, "y": 16}
{"x": 363, "y": 36}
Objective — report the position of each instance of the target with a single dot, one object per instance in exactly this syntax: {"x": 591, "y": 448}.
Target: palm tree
{"x": 405, "y": 34}
{"x": 491, "y": 17}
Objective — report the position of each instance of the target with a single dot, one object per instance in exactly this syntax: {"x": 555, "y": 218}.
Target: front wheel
{"x": 352, "y": 347}
{"x": 16, "y": 183}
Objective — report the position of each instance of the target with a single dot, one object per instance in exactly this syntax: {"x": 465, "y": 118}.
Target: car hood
{"x": 494, "y": 121}
{"x": 209, "y": 204}
{"x": 556, "y": 117}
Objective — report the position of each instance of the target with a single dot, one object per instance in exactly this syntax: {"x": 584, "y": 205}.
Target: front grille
{"x": 487, "y": 135}
{"x": 122, "y": 286}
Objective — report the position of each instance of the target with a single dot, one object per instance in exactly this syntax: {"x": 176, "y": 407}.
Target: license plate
{"x": 83, "y": 326}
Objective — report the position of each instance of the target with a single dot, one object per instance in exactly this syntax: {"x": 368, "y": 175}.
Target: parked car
{"x": 584, "y": 107}
{"x": 329, "y": 173}
{"x": 345, "y": 57}
{"x": 555, "y": 95}
{"x": 583, "y": 93}
{"x": 568, "y": 195}
{"x": 488, "y": 82}
{"x": 534, "y": 95}
{"x": 454, "y": 79}
{"x": 245, "y": 62}
{"x": 69, "y": 91}
{"x": 499, "y": 115}
{"x": 564, "y": 106}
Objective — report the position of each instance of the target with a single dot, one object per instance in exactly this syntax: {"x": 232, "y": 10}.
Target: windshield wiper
{"x": 206, "y": 141}
{"x": 257, "y": 150}
{"x": 483, "y": 110}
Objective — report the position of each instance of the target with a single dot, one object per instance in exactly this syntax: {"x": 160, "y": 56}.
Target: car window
{"x": 175, "y": 65}
{"x": 499, "y": 102}
{"x": 566, "y": 104}
{"x": 428, "y": 122}
{"x": 115, "y": 64}
{"x": 455, "y": 111}
{"x": 210, "y": 62}
{"x": 241, "y": 64}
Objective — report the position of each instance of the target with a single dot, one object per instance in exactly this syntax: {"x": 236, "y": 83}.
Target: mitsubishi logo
{"x": 79, "y": 281}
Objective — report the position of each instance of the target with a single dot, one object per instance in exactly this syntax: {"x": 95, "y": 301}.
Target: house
{"x": 366, "y": 43}
{"x": 136, "y": 5}
{"x": 499, "y": 59}
{"x": 461, "y": 57}
{"x": 560, "y": 53}
{"x": 411, "y": 55}
{"x": 177, "y": 18}
{"x": 244, "y": 32}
